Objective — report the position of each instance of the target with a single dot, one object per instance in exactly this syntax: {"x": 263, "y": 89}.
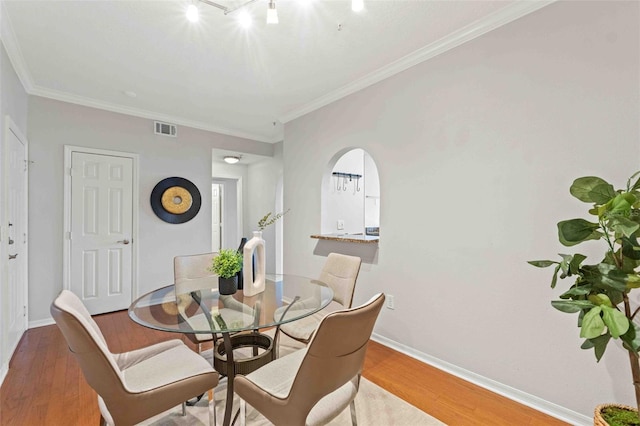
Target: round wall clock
{"x": 175, "y": 200}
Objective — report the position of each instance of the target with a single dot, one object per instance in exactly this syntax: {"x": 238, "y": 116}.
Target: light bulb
{"x": 357, "y": 5}
{"x": 192, "y": 13}
{"x": 244, "y": 19}
{"x": 272, "y": 13}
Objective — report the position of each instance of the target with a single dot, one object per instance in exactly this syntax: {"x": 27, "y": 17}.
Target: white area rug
{"x": 374, "y": 406}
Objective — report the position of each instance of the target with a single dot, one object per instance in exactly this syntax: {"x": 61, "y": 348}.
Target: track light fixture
{"x": 272, "y": 13}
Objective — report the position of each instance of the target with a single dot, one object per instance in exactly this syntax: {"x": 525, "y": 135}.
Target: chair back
{"x": 334, "y": 356}
{"x": 192, "y": 272}
{"x": 340, "y": 272}
{"x": 87, "y": 343}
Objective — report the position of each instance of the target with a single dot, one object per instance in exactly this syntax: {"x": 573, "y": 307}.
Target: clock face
{"x": 175, "y": 200}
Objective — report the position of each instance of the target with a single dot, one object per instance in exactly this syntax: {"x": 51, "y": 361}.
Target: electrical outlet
{"x": 340, "y": 225}
{"x": 390, "y": 302}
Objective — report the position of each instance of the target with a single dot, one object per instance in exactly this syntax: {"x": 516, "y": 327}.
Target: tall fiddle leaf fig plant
{"x": 600, "y": 291}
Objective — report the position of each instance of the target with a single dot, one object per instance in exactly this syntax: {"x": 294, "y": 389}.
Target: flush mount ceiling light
{"x": 272, "y": 13}
{"x": 231, "y": 159}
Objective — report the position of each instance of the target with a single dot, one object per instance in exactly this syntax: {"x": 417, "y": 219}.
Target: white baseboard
{"x": 41, "y": 323}
{"x": 3, "y": 373}
{"x": 514, "y": 394}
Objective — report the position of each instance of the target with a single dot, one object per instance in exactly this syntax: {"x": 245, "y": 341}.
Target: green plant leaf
{"x": 541, "y": 263}
{"x": 598, "y": 343}
{"x": 631, "y": 339}
{"x": 571, "y": 306}
{"x": 600, "y": 299}
{"x": 630, "y": 248}
{"x": 575, "y": 231}
{"x": 592, "y": 324}
{"x": 633, "y": 281}
{"x": 636, "y": 185}
{"x": 574, "y": 264}
{"x": 602, "y": 193}
{"x": 623, "y": 225}
{"x": 554, "y": 280}
{"x": 576, "y": 291}
{"x": 582, "y": 188}
{"x": 616, "y": 321}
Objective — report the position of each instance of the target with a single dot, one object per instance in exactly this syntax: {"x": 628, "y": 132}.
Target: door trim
{"x": 11, "y": 127}
{"x": 66, "y": 250}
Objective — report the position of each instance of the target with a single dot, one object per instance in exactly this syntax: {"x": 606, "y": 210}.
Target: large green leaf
{"x": 574, "y": 264}
{"x": 575, "y": 231}
{"x": 631, "y": 339}
{"x": 612, "y": 277}
{"x": 600, "y": 299}
{"x": 601, "y": 194}
{"x": 622, "y": 225}
{"x": 598, "y": 343}
{"x": 592, "y": 323}
{"x": 583, "y": 189}
{"x": 541, "y": 263}
{"x": 605, "y": 277}
{"x": 571, "y": 306}
{"x": 576, "y": 292}
{"x": 616, "y": 321}
{"x": 630, "y": 248}
{"x": 636, "y": 185}
{"x": 622, "y": 203}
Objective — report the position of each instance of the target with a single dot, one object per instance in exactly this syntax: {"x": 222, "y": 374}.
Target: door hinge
{"x": 24, "y": 312}
{"x": 69, "y": 235}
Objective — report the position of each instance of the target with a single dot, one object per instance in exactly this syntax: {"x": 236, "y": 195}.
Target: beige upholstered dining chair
{"x": 314, "y": 385}
{"x": 132, "y": 386}
{"x": 191, "y": 273}
{"x": 340, "y": 272}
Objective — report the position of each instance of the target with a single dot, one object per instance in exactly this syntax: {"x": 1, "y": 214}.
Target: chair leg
{"x": 184, "y": 409}
{"x": 243, "y": 412}
{"x": 212, "y": 408}
{"x": 352, "y": 406}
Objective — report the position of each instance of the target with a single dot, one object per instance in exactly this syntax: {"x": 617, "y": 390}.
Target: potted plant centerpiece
{"x": 226, "y": 265}
{"x": 599, "y": 292}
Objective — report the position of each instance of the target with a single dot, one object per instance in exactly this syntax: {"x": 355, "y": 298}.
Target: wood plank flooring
{"x": 45, "y": 386}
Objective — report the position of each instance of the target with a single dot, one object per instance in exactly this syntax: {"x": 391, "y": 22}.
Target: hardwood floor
{"x": 45, "y": 386}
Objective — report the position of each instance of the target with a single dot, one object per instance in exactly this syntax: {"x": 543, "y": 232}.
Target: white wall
{"x": 52, "y": 124}
{"x": 476, "y": 150}
{"x": 262, "y": 185}
{"x": 13, "y": 103}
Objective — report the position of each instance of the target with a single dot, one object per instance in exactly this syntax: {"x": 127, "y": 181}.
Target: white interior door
{"x": 17, "y": 240}
{"x": 100, "y": 263}
{"x": 216, "y": 219}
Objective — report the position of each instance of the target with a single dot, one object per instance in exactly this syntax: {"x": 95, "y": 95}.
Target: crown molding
{"x": 137, "y": 112}
{"x": 474, "y": 30}
{"x": 12, "y": 47}
{"x": 8, "y": 37}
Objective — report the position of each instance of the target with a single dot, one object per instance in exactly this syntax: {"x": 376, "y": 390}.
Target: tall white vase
{"x": 253, "y": 284}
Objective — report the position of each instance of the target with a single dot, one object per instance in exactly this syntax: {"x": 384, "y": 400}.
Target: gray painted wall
{"x": 13, "y": 103}
{"x": 476, "y": 150}
{"x": 53, "y": 124}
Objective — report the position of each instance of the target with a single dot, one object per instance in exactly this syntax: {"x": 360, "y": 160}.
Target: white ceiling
{"x": 213, "y": 74}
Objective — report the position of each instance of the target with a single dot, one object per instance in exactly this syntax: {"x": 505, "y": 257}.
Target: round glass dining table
{"x": 203, "y": 310}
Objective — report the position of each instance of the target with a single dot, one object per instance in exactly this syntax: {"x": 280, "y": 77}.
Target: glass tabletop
{"x": 286, "y": 298}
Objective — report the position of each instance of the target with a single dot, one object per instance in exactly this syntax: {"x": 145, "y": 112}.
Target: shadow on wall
{"x": 367, "y": 252}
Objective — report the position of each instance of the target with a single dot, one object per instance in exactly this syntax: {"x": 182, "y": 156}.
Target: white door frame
{"x": 66, "y": 251}
{"x": 11, "y": 127}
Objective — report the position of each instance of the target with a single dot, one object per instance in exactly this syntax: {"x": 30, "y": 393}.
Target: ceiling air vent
{"x": 166, "y": 129}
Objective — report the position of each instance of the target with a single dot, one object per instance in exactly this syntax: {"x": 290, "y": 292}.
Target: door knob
{"x": 13, "y": 256}
{"x": 124, "y": 241}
